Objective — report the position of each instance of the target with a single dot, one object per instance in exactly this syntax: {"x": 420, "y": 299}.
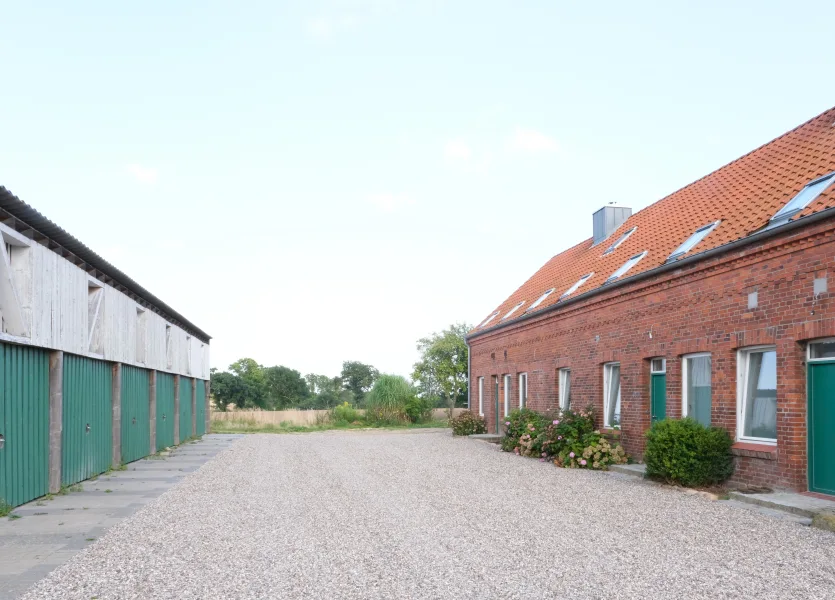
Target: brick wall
{"x": 699, "y": 308}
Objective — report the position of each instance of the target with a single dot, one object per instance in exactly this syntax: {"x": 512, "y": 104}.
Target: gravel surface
{"x": 423, "y": 515}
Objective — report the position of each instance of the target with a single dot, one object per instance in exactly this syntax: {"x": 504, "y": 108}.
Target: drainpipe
{"x": 469, "y": 378}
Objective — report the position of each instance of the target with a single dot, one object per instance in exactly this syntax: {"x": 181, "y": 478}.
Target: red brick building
{"x": 714, "y": 302}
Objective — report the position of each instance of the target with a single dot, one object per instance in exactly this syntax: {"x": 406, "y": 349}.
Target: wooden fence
{"x": 299, "y": 417}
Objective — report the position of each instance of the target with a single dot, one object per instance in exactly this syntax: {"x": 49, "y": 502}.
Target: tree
{"x": 327, "y": 391}
{"x": 443, "y": 364}
{"x": 229, "y": 388}
{"x": 285, "y": 387}
{"x": 358, "y": 378}
{"x": 254, "y": 385}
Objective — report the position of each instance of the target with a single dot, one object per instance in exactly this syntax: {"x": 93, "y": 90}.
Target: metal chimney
{"x": 609, "y": 218}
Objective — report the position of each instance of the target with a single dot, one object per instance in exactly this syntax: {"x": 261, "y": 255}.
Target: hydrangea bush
{"x": 468, "y": 423}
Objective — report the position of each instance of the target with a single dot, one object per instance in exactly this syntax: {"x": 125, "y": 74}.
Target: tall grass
{"x": 386, "y": 402}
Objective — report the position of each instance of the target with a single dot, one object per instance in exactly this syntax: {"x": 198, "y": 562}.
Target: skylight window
{"x": 540, "y": 300}
{"x": 619, "y": 241}
{"x": 802, "y": 200}
{"x": 490, "y": 318}
{"x": 692, "y": 241}
{"x": 574, "y": 287}
{"x": 626, "y": 266}
{"x": 513, "y": 310}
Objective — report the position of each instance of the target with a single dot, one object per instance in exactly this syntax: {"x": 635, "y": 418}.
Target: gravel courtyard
{"x": 423, "y": 515}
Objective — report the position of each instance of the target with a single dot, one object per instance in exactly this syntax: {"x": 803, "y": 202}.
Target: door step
{"x": 798, "y": 504}
{"x": 493, "y": 438}
{"x": 633, "y": 470}
{"x": 770, "y": 512}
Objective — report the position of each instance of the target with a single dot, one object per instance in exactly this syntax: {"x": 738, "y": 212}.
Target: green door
{"x": 822, "y": 426}
{"x": 185, "y": 409}
{"x": 87, "y": 413}
{"x": 24, "y": 424}
{"x": 496, "y": 388}
{"x": 165, "y": 410}
{"x": 136, "y": 414}
{"x": 658, "y": 397}
{"x": 201, "y": 407}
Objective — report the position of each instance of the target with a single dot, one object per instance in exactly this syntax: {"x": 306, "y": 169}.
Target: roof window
{"x": 619, "y": 241}
{"x": 488, "y": 319}
{"x": 812, "y": 190}
{"x": 692, "y": 241}
{"x": 540, "y": 300}
{"x": 626, "y": 266}
{"x": 513, "y": 310}
{"x": 574, "y": 287}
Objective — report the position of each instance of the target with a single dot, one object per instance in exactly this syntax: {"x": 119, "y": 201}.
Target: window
{"x": 574, "y": 287}
{"x": 169, "y": 355}
{"x": 802, "y": 200}
{"x": 506, "y": 395}
{"x": 565, "y": 389}
{"x": 141, "y": 329}
{"x": 95, "y": 298}
{"x": 15, "y": 285}
{"x": 692, "y": 241}
{"x": 611, "y": 395}
{"x": 658, "y": 365}
{"x": 513, "y": 310}
{"x": 523, "y": 390}
{"x": 481, "y": 396}
{"x": 626, "y": 266}
{"x": 757, "y": 394}
{"x": 620, "y": 240}
{"x": 540, "y": 300}
{"x": 696, "y": 387}
{"x": 823, "y": 350}
{"x": 490, "y": 318}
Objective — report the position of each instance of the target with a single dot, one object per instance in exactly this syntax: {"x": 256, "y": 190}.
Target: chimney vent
{"x": 607, "y": 219}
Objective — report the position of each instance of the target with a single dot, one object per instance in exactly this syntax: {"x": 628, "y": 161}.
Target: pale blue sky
{"x": 318, "y": 181}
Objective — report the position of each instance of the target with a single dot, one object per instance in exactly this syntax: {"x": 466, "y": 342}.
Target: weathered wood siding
{"x": 53, "y": 295}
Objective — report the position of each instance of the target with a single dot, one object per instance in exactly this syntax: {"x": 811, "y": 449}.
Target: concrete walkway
{"x": 50, "y": 532}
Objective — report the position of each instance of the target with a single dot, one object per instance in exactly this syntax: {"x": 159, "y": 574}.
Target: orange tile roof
{"x": 743, "y": 194}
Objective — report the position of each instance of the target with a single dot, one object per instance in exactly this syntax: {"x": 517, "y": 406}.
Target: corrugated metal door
{"x": 165, "y": 410}
{"x": 87, "y": 436}
{"x": 136, "y": 414}
{"x": 185, "y": 409}
{"x": 201, "y": 406}
{"x": 24, "y": 423}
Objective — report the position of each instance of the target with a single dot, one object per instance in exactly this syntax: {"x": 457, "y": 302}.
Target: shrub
{"x": 467, "y": 423}
{"x": 688, "y": 453}
{"x": 418, "y": 410}
{"x": 387, "y": 400}
{"x": 591, "y": 451}
{"x": 522, "y": 422}
{"x": 344, "y": 413}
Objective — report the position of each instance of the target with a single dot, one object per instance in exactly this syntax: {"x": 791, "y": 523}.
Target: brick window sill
{"x": 754, "y": 450}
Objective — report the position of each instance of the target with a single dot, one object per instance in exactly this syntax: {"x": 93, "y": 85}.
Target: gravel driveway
{"x": 400, "y": 515}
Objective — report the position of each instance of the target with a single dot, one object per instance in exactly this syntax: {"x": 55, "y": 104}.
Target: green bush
{"x": 688, "y": 453}
{"x": 591, "y": 451}
{"x": 419, "y": 410}
{"x": 467, "y": 423}
{"x": 522, "y": 426}
{"x": 386, "y": 403}
{"x": 344, "y": 413}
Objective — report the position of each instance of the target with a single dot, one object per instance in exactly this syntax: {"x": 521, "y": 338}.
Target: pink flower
{"x": 507, "y": 423}
{"x": 583, "y": 462}
{"x": 559, "y": 437}
{"x": 544, "y": 454}
{"x": 556, "y": 421}
{"x": 541, "y": 460}
{"x": 571, "y": 455}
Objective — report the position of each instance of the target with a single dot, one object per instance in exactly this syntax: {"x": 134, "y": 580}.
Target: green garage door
{"x": 185, "y": 409}
{"x": 165, "y": 410}
{"x": 201, "y": 406}
{"x": 136, "y": 415}
{"x": 24, "y": 423}
{"x": 87, "y": 436}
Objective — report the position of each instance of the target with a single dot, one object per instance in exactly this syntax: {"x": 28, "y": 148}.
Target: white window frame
{"x": 481, "y": 396}
{"x": 606, "y": 383}
{"x": 812, "y": 343}
{"x": 513, "y": 310}
{"x": 684, "y": 380}
{"x": 523, "y": 390}
{"x": 577, "y": 285}
{"x": 507, "y": 386}
{"x": 540, "y": 300}
{"x": 490, "y": 318}
{"x": 620, "y": 240}
{"x": 565, "y": 376}
{"x": 627, "y": 266}
{"x": 694, "y": 240}
{"x": 655, "y": 371}
{"x": 742, "y": 357}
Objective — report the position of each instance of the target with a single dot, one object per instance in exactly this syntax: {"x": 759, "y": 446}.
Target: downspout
{"x": 469, "y": 377}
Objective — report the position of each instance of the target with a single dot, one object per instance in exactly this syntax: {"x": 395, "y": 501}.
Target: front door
{"x": 658, "y": 390}
{"x": 821, "y": 393}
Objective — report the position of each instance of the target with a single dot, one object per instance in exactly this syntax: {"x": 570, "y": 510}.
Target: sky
{"x": 326, "y": 180}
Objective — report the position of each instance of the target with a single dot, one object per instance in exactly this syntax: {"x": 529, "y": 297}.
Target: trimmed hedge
{"x": 688, "y": 453}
